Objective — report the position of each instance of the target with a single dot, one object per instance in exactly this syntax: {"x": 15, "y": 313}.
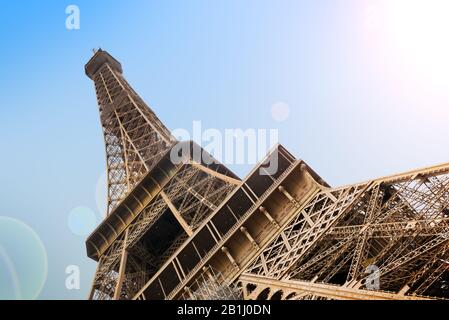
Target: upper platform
{"x": 98, "y": 60}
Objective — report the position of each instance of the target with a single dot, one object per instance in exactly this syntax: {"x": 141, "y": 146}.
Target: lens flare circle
{"x": 82, "y": 221}
{"x": 280, "y": 111}
{"x": 101, "y": 192}
{"x": 23, "y": 261}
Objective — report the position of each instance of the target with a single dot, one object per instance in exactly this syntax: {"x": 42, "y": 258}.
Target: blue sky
{"x": 364, "y": 102}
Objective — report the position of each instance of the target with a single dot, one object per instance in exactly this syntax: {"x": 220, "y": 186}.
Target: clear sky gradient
{"x": 366, "y": 83}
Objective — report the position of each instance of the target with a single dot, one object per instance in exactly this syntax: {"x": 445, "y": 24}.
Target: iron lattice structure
{"x": 134, "y": 137}
{"x": 395, "y": 229}
{"x": 191, "y": 229}
{"x": 213, "y": 286}
{"x": 154, "y": 203}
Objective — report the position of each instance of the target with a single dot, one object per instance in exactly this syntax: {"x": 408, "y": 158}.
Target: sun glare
{"x": 418, "y": 30}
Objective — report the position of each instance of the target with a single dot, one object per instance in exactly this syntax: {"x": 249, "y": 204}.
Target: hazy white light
{"x": 418, "y": 30}
{"x": 23, "y": 261}
{"x": 101, "y": 193}
{"x": 280, "y": 111}
{"x": 82, "y": 221}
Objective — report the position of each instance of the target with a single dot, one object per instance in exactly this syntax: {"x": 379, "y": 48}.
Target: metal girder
{"x": 389, "y": 228}
{"x": 281, "y": 235}
{"x": 143, "y": 184}
{"x": 298, "y": 290}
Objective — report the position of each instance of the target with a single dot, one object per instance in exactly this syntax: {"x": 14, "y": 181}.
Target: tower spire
{"x": 135, "y": 138}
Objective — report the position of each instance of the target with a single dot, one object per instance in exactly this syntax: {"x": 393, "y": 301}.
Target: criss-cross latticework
{"x": 388, "y": 238}
{"x": 135, "y": 138}
{"x": 191, "y": 229}
{"x": 192, "y": 195}
{"x": 158, "y": 194}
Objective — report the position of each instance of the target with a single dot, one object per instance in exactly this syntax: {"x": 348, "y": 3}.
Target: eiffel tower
{"x": 191, "y": 229}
